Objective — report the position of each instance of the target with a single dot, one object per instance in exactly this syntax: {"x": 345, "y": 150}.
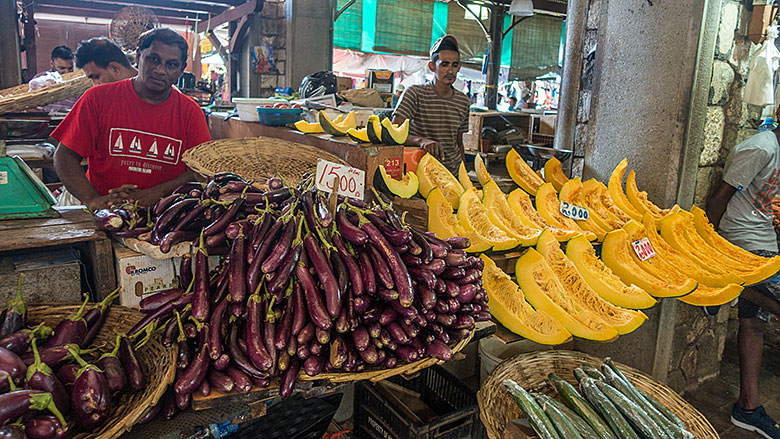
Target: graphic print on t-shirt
{"x": 763, "y": 199}
{"x": 125, "y": 142}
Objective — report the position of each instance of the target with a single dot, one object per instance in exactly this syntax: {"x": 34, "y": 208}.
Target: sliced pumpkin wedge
{"x": 360, "y": 136}
{"x": 473, "y": 217}
{"x": 431, "y": 173}
{"x": 617, "y": 194}
{"x": 553, "y": 173}
{"x": 603, "y": 281}
{"x": 443, "y": 222}
{"x": 639, "y": 200}
{"x": 406, "y": 187}
{"x": 501, "y": 215}
{"x": 521, "y": 204}
{"x": 334, "y": 128}
{"x": 712, "y": 296}
{"x": 508, "y": 306}
{"x": 571, "y": 192}
{"x": 308, "y": 127}
{"x": 548, "y": 206}
{"x": 521, "y": 173}
{"x": 483, "y": 176}
{"x": 393, "y": 134}
{"x": 463, "y": 177}
{"x": 545, "y": 292}
{"x": 623, "y": 320}
{"x": 597, "y": 194}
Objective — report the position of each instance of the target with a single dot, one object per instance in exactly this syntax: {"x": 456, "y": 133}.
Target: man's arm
{"x": 148, "y": 197}
{"x": 430, "y": 146}
{"x": 718, "y": 202}
{"x": 460, "y": 148}
{"x": 67, "y": 163}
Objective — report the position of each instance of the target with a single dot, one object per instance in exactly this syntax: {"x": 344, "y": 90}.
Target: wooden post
{"x": 10, "y": 68}
{"x": 29, "y": 42}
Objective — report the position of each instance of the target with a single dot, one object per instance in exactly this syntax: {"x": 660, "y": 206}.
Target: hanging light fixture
{"x": 521, "y": 8}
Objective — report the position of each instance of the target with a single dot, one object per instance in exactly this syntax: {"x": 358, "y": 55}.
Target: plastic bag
{"x": 759, "y": 89}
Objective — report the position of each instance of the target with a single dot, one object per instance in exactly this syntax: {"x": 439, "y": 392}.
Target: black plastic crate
{"x": 454, "y": 403}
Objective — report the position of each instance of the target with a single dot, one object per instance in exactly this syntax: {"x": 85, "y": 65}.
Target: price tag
{"x": 3, "y": 177}
{"x": 394, "y": 168}
{"x": 643, "y": 249}
{"x": 574, "y": 212}
{"x": 351, "y": 181}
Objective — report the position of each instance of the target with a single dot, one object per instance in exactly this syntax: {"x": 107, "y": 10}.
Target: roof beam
{"x": 85, "y": 12}
{"x": 242, "y": 10}
{"x": 92, "y": 7}
{"x": 173, "y": 5}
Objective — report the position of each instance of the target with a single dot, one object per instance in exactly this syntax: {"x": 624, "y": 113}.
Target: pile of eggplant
{"x": 304, "y": 288}
{"x": 52, "y": 380}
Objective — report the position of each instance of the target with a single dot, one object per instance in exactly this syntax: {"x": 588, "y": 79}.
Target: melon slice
{"x": 521, "y": 204}
{"x": 603, "y": 281}
{"x": 623, "y": 320}
{"x": 463, "y": 177}
{"x": 360, "y": 136}
{"x": 548, "y": 206}
{"x": 597, "y": 194}
{"x": 393, "y": 134}
{"x": 616, "y": 254}
{"x": 431, "y": 173}
{"x": 406, "y": 187}
{"x": 521, "y": 173}
{"x": 443, "y": 222}
{"x": 501, "y": 214}
{"x": 473, "y": 217}
{"x": 571, "y": 192}
{"x": 554, "y": 174}
{"x": 639, "y": 200}
{"x": 617, "y": 194}
{"x": 483, "y": 176}
{"x": 545, "y": 292}
{"x": 508, "y": 306}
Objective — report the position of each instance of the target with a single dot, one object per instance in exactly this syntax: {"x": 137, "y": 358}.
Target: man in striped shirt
{"x": 438, "y": 114}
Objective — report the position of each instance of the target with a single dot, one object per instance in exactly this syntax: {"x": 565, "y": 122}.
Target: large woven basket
{"x": 497, "y": 408}
{"x": 158, "y": 363}
{"x": 16, "y": 99}
{"x": 256, "y": 158}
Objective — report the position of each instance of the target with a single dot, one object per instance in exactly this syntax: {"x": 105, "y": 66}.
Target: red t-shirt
{"x": 129, "y": 141}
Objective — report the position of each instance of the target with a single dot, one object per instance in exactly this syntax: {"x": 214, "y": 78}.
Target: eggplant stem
{"x": 381, "y": 202}
{"x": 11, "y": 385}
{"x": 149, "y": 330}
{"x": 182, "y": 336}
{"x": 198, "y": 323}
{"x": 105, "y": 303}
{"x": 201, "y": 246}
{"x": 41, "y": 331}
{"x": 38, "y": 365}
{"x": 56, "y": 411}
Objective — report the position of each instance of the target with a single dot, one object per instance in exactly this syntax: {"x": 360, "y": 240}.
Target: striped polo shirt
{"x": 436, "y": 118}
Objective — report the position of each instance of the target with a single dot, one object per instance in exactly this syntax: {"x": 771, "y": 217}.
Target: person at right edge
{"x": 438, "y": 114}
{"x": 741, "y": 211}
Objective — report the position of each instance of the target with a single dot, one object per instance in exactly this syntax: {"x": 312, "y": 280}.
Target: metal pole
{"x": 570, "y": 80}
{"x": 494, "y": 55}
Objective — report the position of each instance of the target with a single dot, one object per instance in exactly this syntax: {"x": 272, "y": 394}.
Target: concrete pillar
{"x": 10, "y": 64}
{"x": 309, "y": 38}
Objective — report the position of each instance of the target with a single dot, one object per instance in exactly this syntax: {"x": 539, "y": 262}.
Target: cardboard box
{"x": 343, "y": 83}
{"x": 139, "y": 275}
{"x": 382, "y": 81}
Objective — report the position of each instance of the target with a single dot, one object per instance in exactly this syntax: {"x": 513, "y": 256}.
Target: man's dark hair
{"x": 61, "y": 52}
{"x": 100, "y": 51}
{"x": 164, "y": 35}
{"x": 447, "y": 42}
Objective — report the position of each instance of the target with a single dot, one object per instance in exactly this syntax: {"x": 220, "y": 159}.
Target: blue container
{"x": 278, "y": 116}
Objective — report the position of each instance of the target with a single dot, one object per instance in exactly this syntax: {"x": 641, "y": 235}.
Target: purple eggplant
{"x": 90, "y": 399}
{"x": 313, "y": 298}
{"x": 72, "y": 329}
{"x": 299, "y": 313}
{"x": 67, "y": 375}
{"x": 40, "y": 377}
{"x": 219, "y": 225}
{"x": 313, "y": 365}
{"x": 221, "y": 363}
{"x": 281, "y": 277}
{"x": 155, "y": 301}
{"x": 349, "y": 231}
{"x": 382, "y": 269}
{"x": 174, "y": 237}
{"x": 239, "y": 358}
{"x": 282, "y": 247}
{"x": 11, "y": 364}
{"x": 96, "y": 317}
{"x": 45, "y": 427}
{"x": 167, "y": 219}
{"x": 14, "y": 316}
{"x": 220, "y": 381}
{"x": 215, "y": 342}
{"x": 189, "y": 380}
{"x": 165, "y": 202}
{"x": 353, "y": 268}
{"x": 112, "y": 369}
{"x": 242, "y": 382}
{"x": 325, "y": 275}
{"x": 108, "y": 220}
{"x": 182, "y": 400}
{"x": 200, "y": 298}
{"x": 254, "y": 272}
{"x": 19, "y": 341}
{"x": 135, "y": 374}
{"x": 237, "y": 270}
{"x": 161, "y": 313}
{"x": 367, "y": 272}
{"x": 254, "y": 336}
{"x": 20, "y": 402}
{"x": 287, "y": 384}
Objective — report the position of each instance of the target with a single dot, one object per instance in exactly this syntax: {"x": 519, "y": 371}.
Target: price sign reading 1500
{"x": 574, "y": 212}
{"x": 351, "y": 181}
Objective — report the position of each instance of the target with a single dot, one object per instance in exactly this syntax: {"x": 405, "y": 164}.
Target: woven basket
{"x": 497, "y": 408}
{"x": 157, "y": 361}
{"x": 24, "y": 88}
{"x": 256, "y": 158}
{"x": 75, "y": 84}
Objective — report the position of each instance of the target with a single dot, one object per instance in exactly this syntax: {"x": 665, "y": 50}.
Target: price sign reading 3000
{"x": 352, "y": 181}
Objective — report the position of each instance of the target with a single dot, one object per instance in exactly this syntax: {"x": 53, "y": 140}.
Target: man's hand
{"x": 431, "y": 147}
{"x": 146, "y": 197}
{"x": 101, "y": 202}
{"x": 124, "y": 192}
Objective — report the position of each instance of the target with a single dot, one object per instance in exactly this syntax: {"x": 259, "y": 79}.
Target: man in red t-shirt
{"x": 132, "y": 132}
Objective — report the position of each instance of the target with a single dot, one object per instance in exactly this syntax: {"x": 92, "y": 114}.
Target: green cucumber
{"x": 579, "y": 373}
{"x": 577, "y": 403}
{"x": 616, "y": 379}
{"x": 607, "y": 409}
{"x": 593, "y": 372}
{"x": 535, "y": 415}
{"x": 638, "y": 418}
{"x": 667, "y": 413}
{"x": 579, "y": 424}
{"x": 560, "y": 421}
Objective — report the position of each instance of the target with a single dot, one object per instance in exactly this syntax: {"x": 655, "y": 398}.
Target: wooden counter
{"x": 73, "y": 228}
{"x": 365, "y": 156}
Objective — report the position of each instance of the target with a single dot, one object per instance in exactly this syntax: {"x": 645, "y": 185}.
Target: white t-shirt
{"x": 752, "y": 168}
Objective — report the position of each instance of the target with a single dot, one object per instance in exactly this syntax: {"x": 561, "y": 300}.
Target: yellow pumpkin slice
{"x": 712, "y": 296}
{"x": 554, "y": 174}
{"x": 571, "y": 192}
{"x": 603, "y": 281}
{"x": 623, "y": 320}
{"x": 521, "y": 204}
{"x": 501, "y": 214}
{"x": 545, "y": 292}
{"x": 308, "y": 127}
{"x": 639, "y": 200}
{"x": 508, "y": 306}
{"x": 616, "y": 253}
{"x": 483, "y": 176}
{"x": 473, "y": 217}
{"x": 431, "y": 173}
{"x": 596, "y": 194}
{"x": 521, "y": 173}
{"x": 443, "y": 222}
{"x": 709, "y": 276}
{"x": 548, "y": 206}
{"x": 463, "y": 177}
{"x": 617, "y": 194}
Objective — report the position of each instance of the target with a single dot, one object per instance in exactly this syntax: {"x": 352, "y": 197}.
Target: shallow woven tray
{"x": 75, "y": 84}
{"x": 256, "y": 159}
{"x": 157, "y": 361}
{"x": 497, "y": 408}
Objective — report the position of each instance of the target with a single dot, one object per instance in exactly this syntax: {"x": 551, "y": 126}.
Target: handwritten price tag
{"x": 351, "y": 181}
{"x": 393, "y": 167}
{"x": 643, "y": 249}
{"x": 574, "y": 212}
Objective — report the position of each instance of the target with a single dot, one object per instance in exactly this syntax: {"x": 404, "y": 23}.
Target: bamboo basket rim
{"x": 530, "y": 370}
{"x": 157, "y": 360}
{"x": 74, "y": 86}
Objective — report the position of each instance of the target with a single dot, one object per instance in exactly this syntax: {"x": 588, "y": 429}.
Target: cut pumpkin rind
{"x": 360, "y": 136}
{"x": 617, "y": 194}
{"x": 406, "y": 187}
{"x": 548, "y": 206}
{"x": 508, "y": 306}
{"x": 334, "y": 128}
{"x": 431, "y": 173}
{"x": 553, "y": 173}
{"x": 623, "y": 320}
{"x": 545, "y": 292}
{"x": 709, "y": 296}
{"x": 374, "y": 129}
{"x": 521, "y": 204}
{"x": 501, "y": 215}
{"x": 521, "y": 173}
{"x": 392, "y": 134}
{"x": 603, "y": 281}
{"x": 473, "y": 217}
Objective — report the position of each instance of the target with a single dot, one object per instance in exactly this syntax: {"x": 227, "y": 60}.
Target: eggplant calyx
{"x": 202, "y": 249}
{"x": 105, "y": 303}
{"x": 148, "y": 331}
{"x": 17, "y": 304}
{"x": 41, "y": 331}
{"x": 44, "y": 401}
{"x": 381, "y": 202}
{"x": 79, "y": 315}
{"x": 114, "y": 352}
{"x": 38, "y": 365}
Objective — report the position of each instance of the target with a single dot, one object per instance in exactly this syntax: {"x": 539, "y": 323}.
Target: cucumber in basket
{"x": 582, "y": 427}
{"x": 562, "y": 424}
{"x": 536, "y": 417}
{"x": 620, "y": 382}
{"x": 665, "y": 411}
{"x": 643, "y": 424}
{"x": 593, "y": 373}
{"x": 575, "y": 401}
{"x": 607, "y": 409}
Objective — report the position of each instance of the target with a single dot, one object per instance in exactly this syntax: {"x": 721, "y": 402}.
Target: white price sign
{"x": 643, "y": 249}
{"x": 351, "y": 181}
{"x": 3, "y": 177}
{"x": 574, "y": 212}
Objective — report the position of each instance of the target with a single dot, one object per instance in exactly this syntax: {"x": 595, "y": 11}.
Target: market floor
{"x": 715, "y": 398}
